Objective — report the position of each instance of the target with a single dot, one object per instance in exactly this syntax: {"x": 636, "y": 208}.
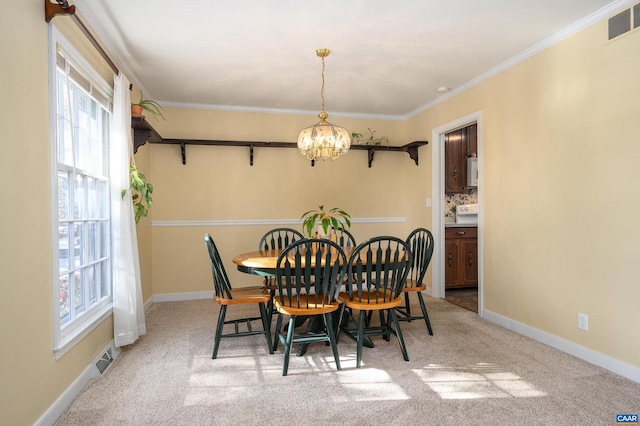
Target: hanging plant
{"x": 141, "y": 192}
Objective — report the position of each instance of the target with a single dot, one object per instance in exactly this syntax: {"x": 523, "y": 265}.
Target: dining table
{"x": 263, "y": 263}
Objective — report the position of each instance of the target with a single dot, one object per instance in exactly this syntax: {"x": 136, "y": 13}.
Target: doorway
{"x": 438, "y": 212}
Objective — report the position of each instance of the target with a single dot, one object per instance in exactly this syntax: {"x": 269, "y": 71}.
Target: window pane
{"x": 63, "y": 195}
{"x": 63, "y": 247}
{"x": 92, "y": 198}
{"x": 91, "y": 284}
{"x": 78, "y": 198}
{"x": 63, "y": 291}
{"x": 104, "y": 239}
{"x": 78, "y": 293}
{"x": 93, "y": 240}
{"x": 78, "y": 253}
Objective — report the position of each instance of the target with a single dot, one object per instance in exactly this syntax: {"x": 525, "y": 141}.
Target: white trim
{"x": 437, "y": 191}
{"x": 266, "y": 110}
{"x": 179, "y": 297}
{"x": 616, "y": 366}
{"x": 66, "y": 343}
{"x": 252, "y": 222}
{"x": 63, "y": 402}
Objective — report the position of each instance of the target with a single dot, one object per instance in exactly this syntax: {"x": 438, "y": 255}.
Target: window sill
{"x": 68, "y": 342}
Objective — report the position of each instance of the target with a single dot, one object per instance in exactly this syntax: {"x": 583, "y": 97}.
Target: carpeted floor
{"x": 470, "y": 372}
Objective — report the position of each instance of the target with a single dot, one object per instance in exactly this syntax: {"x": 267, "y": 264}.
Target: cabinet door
{"x": 455, "y": 161}
{"x": 472, "y": 140}
{"x": 452, "y": 263}
{"x": 469, "y": 249}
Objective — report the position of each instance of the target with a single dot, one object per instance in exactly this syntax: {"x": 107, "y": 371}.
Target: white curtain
{"x": 128, "y": 308}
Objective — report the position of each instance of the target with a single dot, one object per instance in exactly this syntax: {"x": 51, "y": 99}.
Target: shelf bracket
{"x": 183, "y": 151}
{"x": 251, "y": 155}
{"x": 413, "y": 153}
{"x": 140, "y": 137}
{"x": 371, "y": 152}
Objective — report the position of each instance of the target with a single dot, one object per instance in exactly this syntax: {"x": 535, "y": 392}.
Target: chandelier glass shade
{"x": 323, "y": 140}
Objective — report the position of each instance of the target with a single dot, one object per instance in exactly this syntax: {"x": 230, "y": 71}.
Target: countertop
{"x": 459, "y": 225}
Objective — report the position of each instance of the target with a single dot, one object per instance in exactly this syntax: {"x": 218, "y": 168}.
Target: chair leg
{"x": 341, "y": 312}
{"x": 384, "y": 323}
{"x": 328, "y": 323}
{"x": 396, "y": 324}
{"x": 360, "y": 338}
{"x": 219, "y": 327}
{"x": 424, "y": 313}
{"x": 266, "y": 324}
{"x": 407, "y": 306}
{"x": 272, "y": 294}
{"x": 287, "y": 344}
{"x": 277, "y": 331}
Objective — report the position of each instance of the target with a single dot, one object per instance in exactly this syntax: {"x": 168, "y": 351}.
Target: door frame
{"x": 437, "y": 179}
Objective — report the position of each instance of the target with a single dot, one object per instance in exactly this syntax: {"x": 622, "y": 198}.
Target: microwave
{"x": 472, "y": 171}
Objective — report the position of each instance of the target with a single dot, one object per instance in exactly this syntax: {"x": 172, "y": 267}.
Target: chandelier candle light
{"x": 323, "y": 140}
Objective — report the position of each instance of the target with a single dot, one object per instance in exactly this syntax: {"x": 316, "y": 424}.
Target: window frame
{"x": 67, "y": 336}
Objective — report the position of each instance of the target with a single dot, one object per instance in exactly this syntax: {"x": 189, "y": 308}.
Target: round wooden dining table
{"x": 263, "y": 263}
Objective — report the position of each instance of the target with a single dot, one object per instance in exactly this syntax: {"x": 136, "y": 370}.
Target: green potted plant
{"x": 141, "y": 192}
{"x": 149, "y": 105}
{"x": 336, "y": 218}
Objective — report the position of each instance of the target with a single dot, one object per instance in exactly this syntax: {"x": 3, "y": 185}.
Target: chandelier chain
{"x": 322, "y": 88}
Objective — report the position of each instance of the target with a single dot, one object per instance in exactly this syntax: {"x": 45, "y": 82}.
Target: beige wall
{"x": 560, "y": 149}
{"x": 218, "y": 184}
{"x": 559, "y": 136}
{"x": 31, "y": 379}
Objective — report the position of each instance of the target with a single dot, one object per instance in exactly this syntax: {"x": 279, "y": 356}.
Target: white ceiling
{"x": 387, "y": 60}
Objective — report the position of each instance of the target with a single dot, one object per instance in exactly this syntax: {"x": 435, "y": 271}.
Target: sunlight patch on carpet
{"x": 477, "y": 381}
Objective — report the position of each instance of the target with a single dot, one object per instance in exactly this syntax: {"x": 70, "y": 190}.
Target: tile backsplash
{"x": 452, "y": 200}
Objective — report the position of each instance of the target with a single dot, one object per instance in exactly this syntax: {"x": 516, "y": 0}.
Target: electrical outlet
{"x": 583, "y": 321}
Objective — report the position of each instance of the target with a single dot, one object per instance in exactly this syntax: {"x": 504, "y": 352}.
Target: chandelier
{"x": 323, "y": 139}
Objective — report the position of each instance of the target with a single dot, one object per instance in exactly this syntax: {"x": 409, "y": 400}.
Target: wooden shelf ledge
{"x": 143, "y": 132}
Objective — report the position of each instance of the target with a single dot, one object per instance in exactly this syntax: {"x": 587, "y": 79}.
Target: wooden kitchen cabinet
{"x": 461, "y": 257}
{"x": 458, "y": 145}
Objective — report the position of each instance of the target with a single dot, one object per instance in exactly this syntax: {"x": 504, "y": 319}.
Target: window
{"x": 81, "y": 103}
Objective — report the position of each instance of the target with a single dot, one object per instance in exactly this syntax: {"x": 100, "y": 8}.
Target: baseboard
{"x": 615, "y": 366}
{"x": 54, "y": 412}
{"x": 179, "y": 297}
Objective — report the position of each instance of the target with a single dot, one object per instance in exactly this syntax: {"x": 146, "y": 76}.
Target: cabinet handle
{"x": 450, "y": 259}
{"x": 470, "y": 259}
{"x": 455, "y": 172}
{"x": 460, "y": 232}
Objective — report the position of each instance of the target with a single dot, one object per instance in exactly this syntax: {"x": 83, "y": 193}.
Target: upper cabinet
{"x": 458, "y": 146}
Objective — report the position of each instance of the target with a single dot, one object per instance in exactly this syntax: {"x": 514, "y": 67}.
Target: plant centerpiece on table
{"x": 336, "y": 218}
{"x": 141, "y": 191}
{"x": 371, "y": 140}
{"x": 149, "y": 105}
